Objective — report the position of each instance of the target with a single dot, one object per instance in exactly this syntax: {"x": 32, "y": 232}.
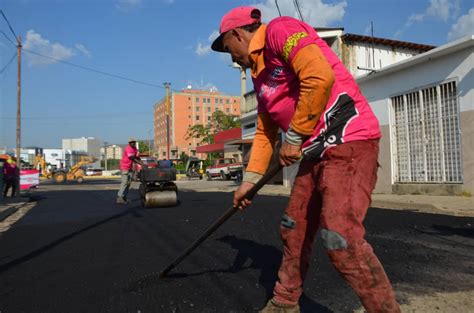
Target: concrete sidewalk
{"x": 450, "y": 205}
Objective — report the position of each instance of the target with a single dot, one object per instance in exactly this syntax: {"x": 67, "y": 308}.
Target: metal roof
{"x": 348, "y": 38}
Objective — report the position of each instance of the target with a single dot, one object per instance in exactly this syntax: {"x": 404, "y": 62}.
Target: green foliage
{"x": 111, "y": 164}
{"x": 184, "y": 158}
{"x": 143, "y": 147}
{"x": 200, "y": 132}
{"x": 180, "y": 167}
{"x": 219, "y": 122}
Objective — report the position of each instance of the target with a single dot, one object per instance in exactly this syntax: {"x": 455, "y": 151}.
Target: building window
{"x": 197, "y": 109}
{"x": 426, "y": 127}
{"x": 227, "y": 101}
{"x": 197, "y": 99}
{"x": 227, "y": 110}
{"x": 208, "y": 109}
{"x": 208, "y": 118}
{"x": 164, "y": 153}
{"x": 197, "y": 117}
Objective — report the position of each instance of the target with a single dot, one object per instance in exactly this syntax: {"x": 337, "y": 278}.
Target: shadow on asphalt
{"x": 7, "y": 266}
{"x": 250, "y": 255}
{"x": 454, "y": 231}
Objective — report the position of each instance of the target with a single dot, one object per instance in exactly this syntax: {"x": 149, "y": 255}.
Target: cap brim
{"x": 217, "y": 45}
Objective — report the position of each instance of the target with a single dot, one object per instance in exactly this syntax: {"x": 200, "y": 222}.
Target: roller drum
{"x": 164, "y": 198}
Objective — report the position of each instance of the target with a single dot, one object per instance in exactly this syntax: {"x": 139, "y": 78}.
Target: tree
{"x": 200, "y": 132}
{"x": 184, "y": 157}
{"x": 219, "y": 122}
{"x": 143, "y": 147}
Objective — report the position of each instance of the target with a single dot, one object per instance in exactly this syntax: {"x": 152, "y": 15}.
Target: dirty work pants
{"x": 10, "y": 182}
{"x": 333, "y": 194}
{"x": 125, "y": 181}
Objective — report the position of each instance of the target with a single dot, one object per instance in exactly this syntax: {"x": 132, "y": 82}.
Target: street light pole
{"x": 167, "y": 111}
{"x": 105, "y": 155}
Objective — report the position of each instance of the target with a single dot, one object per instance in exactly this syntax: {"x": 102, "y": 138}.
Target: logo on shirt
{"x": 336, "y": 119}
{"x": 269, "y": 87}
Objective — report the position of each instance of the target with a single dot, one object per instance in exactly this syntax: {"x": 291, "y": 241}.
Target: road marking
{"x": 13, "y": 218}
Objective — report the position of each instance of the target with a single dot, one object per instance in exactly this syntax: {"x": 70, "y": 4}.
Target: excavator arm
{"x": 40, "y": 163}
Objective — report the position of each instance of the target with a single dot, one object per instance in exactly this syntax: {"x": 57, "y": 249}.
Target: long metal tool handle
{"x": 249, "y": 195}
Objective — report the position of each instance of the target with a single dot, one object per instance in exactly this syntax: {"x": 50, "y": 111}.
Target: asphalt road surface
{"x": 77, "y": 251}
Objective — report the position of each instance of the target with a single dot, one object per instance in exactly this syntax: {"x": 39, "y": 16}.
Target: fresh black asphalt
{"x": 77, "y": 251}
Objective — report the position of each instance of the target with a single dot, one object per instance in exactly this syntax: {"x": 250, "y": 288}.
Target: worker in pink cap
{"x": 303, "y": 89}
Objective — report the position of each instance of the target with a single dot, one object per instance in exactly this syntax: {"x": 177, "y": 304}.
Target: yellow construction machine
{"x": 60, "y": 176}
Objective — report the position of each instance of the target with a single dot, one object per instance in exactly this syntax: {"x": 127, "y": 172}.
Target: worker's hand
{"x": 239, "y": 202}
{"x": 289, "y": 154}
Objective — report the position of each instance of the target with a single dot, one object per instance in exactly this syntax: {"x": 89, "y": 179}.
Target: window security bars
{"x": 426, "y": 129}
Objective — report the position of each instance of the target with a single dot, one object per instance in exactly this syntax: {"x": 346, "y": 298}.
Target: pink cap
{"x": 238, "y": 17}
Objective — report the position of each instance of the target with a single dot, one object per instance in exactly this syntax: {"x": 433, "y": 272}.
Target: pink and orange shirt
{"x": 126, "y": 163}
{"x": 345, "y": 114}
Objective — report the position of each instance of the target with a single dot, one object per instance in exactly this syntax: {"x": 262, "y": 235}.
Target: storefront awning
{"x": 214, "y": 147}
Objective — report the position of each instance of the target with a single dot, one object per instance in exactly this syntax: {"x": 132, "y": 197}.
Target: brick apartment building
{"x": 187, "y": 108}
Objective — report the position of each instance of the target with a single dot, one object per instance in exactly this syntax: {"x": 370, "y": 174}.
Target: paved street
{"x": 77, "y": 251}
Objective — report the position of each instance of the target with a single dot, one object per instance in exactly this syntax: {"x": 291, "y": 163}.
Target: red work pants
{"x": 334, "y": 194}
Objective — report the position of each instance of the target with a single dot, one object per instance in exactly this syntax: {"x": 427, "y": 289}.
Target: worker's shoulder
{"x": 282, "y": 22}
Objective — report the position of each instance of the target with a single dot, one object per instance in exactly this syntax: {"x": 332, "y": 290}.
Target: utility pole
{"x": 105, "y": 155}
{"x": 243, "y": 85}
{"x": 167, "y": 111}
{"x": 18, "y": 117}
{"x": 18, "y": 104}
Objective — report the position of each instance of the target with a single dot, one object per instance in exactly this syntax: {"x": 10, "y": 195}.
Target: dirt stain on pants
{"x": 334, "y": 194}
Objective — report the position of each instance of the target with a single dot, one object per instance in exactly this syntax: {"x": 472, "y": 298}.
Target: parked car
{"x": 225, "y": 168}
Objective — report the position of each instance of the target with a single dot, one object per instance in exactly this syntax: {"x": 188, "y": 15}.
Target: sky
{"x": 95, "y": 68}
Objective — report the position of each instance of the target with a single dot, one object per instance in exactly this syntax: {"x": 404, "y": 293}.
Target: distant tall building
{"x": 187, "y": 108}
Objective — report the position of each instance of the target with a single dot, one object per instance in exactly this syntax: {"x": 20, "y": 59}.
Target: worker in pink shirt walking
{"x": 129, "y": 157}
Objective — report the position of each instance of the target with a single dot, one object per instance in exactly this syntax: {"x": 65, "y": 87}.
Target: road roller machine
{"x": 157, "y": 188}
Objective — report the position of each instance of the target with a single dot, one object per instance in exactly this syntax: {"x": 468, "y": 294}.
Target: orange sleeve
{"x": 316, "y": 79}
{"x": 262, "y": 145}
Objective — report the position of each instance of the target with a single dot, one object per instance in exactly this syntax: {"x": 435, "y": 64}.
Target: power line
{"x": 95, "y": 71}
{"x": 9, "y": 62}
{"x": 101, "y": 115}
{"x": 297, "y": 6}
{"x": 11, "y": 28}
{"x": 8, "y": 38}
{"x": 278, "y": 8}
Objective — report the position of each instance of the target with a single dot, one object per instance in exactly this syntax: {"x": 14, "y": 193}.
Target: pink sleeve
{"x": 285, "y": 37}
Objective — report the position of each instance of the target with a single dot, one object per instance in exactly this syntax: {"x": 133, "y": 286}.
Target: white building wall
{"x": 365, "y": 56}
{"x": 437, "y": 66}
{"x": 55, "y": 157}
{"x": 89, "y": 145}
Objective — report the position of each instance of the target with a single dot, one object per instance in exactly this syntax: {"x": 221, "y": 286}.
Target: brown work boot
{"x": 275, "y": 307}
